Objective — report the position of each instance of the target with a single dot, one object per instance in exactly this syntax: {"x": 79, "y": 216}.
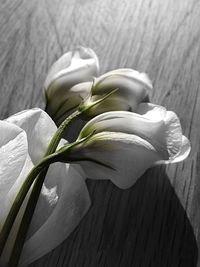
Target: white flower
{"x": 64, "y": 197}
{"x": 125, "y": 144}
{"x": 74, "y": 67}
{"x": 132, "y": 88}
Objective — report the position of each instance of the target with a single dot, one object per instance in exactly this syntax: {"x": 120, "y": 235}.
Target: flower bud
{"x": 129, "y": 89}
{"x": 72, "y": 68}
{"x": 125, "y": 144}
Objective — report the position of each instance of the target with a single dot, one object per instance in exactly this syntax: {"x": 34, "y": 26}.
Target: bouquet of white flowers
{"x": 113, "y": 133}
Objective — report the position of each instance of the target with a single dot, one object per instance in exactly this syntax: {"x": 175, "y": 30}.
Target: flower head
{"x": 129, "y": 88}
{"x": 74, "y": 67}
{"x": 64, "y": 197}
{"x": 125, "y": 144}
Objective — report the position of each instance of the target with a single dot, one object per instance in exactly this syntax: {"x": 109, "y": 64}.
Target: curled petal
{"x": 126, "y": 89}
{"x": 39, "y": 128}
{"x": 124, "y": 78}
{"x": 15, "y": 164}
{"x": 182, "y": 154}
{"x": 6, "y": 205}
{"x": 125, "y": 144}
{"x": 65, "y": 209}
{"x": 119, "y": 157}
{"x": 81, "y": 58}
{"x": 13, "y": 154}
{"x": 63, "y": 202}
{"x": 178, "y": 145}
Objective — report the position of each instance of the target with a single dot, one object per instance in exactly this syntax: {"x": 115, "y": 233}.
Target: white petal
{"x": 147, "y": 113}
{"x": 62, "y": 63}
{"x": 11, "y": 194}
{"x": 132, "y": 86}
{"x": 128, "y": 122}
{"x": 81, "y": 56}
{"x": 64, "y": 214}
{"x": 173, "y": 134}
{"x": 122, "y": 158}
{"x": 81, "y": 66}
{"x": 39, "y": 128}
{"x": 151, "y": 111}
{"x": 153, "y": 131}
{"x": 159, "y": 127}
{"x": 178, "y": 146}
{"x": 182, "y": 154}
{"x": 13, "y": 154}
{"x": 130, "y": 73}
{"x": 6, "y": 205}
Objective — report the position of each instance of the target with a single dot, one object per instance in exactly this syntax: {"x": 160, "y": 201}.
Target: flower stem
{"x": 20, "y": 197}
{"x": 59, "y": 133}
{"x": 26, "y": 219}
{"x": 32, "y": 201}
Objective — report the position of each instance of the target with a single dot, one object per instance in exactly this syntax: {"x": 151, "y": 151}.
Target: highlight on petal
{"x": 6, "y": 205}
{"x": 13, "y": 154}
{"x": 154, "y": 131}
{"x": 80, "y": 57}
{"x": 133, "y": 77}
{"x": 39, "y": 128}
{"x": 15, "y": 164}
{"x": 58, "y": 219}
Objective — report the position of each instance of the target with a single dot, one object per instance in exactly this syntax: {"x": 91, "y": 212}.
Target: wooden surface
{"x": 157, "y": 221}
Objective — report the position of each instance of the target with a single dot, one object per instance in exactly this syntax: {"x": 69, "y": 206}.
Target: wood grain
{"x": 157, "y": 221}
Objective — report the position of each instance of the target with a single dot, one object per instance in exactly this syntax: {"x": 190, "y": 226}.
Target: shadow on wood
{"x": 144, "y": 226}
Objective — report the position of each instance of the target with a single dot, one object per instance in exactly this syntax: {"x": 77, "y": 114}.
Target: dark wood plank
{"x": 156, "y": 222}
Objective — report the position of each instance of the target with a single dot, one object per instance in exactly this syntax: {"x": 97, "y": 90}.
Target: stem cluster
{"x": 36, "y": 178}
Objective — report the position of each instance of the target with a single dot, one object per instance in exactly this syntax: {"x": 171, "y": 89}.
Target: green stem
{"x": 59, "y": 133}
{"x": 20, "y": 198}
{"x": 35, "y": 193}
{"x": 21, "y": 235}
{"x": 26, "y": 219}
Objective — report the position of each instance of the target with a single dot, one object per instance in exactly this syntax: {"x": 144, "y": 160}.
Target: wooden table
{"x": 157, "y": 221}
